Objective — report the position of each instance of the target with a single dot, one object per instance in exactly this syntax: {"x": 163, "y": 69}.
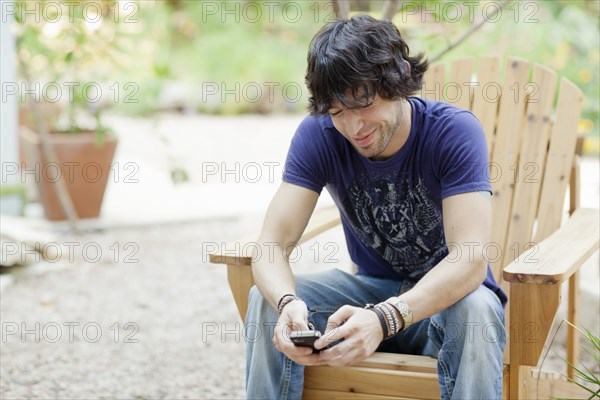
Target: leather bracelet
{"x": 379, "y": 313}
{"x": 283, "y": 297}
{"x": 285, "y": 300}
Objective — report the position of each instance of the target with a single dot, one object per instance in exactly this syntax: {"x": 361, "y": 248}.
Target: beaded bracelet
{"x": 393, "y": 321}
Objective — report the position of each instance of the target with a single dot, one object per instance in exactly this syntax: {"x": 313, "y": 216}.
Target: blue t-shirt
{"x": 391, "y": 210}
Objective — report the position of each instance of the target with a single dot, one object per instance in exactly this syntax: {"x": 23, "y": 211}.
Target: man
{"x": 406, "y": 176}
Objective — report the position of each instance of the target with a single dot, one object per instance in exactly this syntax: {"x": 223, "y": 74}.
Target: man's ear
{"x": 407, "y": 66}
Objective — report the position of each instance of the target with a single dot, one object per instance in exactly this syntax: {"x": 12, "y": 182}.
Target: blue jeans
{"x": 467, "y": 338}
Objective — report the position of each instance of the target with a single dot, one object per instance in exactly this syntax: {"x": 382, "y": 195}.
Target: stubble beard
{"x": 388, "y": 131}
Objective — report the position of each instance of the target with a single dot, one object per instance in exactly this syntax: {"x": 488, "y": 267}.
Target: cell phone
{"x": 305, "y": 338}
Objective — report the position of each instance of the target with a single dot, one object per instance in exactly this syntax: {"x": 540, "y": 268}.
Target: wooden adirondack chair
{"x": 532, "y": 148}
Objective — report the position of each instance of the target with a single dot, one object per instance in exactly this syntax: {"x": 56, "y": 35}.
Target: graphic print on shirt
{"x": 399, "y": 220}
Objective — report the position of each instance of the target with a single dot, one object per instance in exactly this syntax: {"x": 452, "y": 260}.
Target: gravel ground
{"x": 140, "y": 321}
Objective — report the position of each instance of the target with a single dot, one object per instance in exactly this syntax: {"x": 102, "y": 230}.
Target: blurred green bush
{"x": 231, "y": 57}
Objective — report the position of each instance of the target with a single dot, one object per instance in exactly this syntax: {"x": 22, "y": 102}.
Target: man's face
{"x": 373, "y": 130}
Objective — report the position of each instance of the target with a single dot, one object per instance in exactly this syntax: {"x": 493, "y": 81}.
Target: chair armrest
{"x": 240, "y": 252}
{"x": 558, "y": 256}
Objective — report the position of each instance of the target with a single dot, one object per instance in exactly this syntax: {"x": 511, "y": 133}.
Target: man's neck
{"x": 406, "y": 124}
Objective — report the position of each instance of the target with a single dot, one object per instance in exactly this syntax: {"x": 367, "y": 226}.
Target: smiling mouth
{"x": 366, "y": 140}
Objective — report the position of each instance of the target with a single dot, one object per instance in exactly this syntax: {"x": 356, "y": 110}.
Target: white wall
{"x": 9, "y": 155}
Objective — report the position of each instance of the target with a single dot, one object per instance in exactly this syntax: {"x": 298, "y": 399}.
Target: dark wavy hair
{"x": 360, "y": 56}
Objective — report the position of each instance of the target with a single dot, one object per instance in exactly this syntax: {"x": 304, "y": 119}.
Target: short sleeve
{"x": 461, "y": 156}
{"x": 307, "y": 163}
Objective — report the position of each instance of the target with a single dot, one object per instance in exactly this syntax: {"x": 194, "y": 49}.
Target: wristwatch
{"x": 404, "y": 310}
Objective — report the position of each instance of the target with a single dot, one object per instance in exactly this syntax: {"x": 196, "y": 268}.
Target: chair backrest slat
{"x": 559, "y": 159}
{"x": 458, "y": 90}
{"x": 433, "y": 83}
{"x": 485, "y": 104}
{"x": 531, "y": 163}
{"x": 505, "y": 152}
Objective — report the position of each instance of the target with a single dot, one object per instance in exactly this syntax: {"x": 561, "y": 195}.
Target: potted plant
{"x": 61, "y": 53}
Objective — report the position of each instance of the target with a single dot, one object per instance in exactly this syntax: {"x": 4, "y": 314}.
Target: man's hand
{"x": 294, "y": 317}
{"x": 361, "y": 330}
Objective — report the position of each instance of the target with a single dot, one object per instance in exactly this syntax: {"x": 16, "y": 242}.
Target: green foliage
{"x": 196, "y": 47}
{"x": 192, "y": 43}
{"x": 584, "y": 374}
{"x": 585, "y": 377}
{"x": 67, "y": 52}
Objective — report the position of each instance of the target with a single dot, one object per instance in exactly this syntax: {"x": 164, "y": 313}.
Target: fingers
{"x": 293, "y": 318}
{"x": 340, "y": 357}
{"x": 281, "y": 335}
{"x": 299, "y": 354}
{"x": 286, "y": 346}
{"x": 335, "y": 327}
{"x": 361, "y": 332}
{"x": 346, "y": 353}
{"x": 313, "y": 359}
{"x": 339, "y": 317}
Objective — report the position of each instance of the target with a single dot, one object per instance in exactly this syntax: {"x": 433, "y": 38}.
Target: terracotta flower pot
{"x": 83, "y": 165}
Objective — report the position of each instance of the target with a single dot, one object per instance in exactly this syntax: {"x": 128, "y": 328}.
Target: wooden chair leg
{"x": 573, "y": 301}
{"x": 240, "y": 282}
{"x": 532, "y": 311}
{"x": 572, "y": 317}
{"x": 521, "y": 384}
